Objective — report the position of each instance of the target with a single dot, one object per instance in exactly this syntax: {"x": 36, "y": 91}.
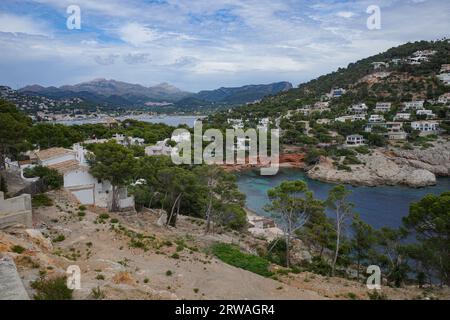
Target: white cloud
{"x": 345, "y": 14}
{"x": 137, "y": 34}
{"x": 22, "y": 24}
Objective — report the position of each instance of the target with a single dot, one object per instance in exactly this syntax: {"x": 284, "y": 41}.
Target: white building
{"x": 336, "y": 93}
{"x": 160, "y": 149}
{"x": 402, "y": 116}
{"x": 426, "y": 127}
{"x": 380, "y": 65}
{"x": 445, "y": 68}
{"x": 51, "y": 156}
{"x": 395, "y": 131}
{"x": 350, "y": 118}
{"x": 383, "y": 107}
{"x": 77, "y": 179}
{"x": 445, "y": 77}
{"x": 445, "y": 98}
{"x": 376, "y": 118}
{"x": 263, "y": 124}
{"x": 236, "y": 123}
{"x": 360, "y": 108}
{"x": 413, "y": 105}
{"x": 355, "y": 140}
{"x": 425, "y": 112}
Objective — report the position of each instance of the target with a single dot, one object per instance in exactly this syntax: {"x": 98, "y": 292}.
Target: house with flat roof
{"x": 425, "y": 112}
{"x": 374, "y": 118}
{"x": 382, "y": 107}
{"x": 413, "y": 105}
{"x": 360, "y": 108}
{"x": 426, "y": 127}
{"x": 402, "y": 116}
{"x": 355, "y": 140}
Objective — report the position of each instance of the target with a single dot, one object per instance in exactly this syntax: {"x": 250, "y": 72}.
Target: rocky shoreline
{"x": 393, "y": 166}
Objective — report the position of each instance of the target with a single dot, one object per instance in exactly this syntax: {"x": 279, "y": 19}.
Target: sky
{"x": 202, "y": 44}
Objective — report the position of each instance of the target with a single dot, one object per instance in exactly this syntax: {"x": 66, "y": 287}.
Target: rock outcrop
{"x": 379, "y": 168}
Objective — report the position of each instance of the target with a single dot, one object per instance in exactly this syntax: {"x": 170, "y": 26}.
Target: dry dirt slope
{"x": 135, "y": 258}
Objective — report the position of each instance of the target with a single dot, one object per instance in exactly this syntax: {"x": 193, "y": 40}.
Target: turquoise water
{"x": 378, "y": 206}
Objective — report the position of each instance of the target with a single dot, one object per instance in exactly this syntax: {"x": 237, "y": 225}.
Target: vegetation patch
{"x": 52, "y": 289}
{"x": 232, "y": 255}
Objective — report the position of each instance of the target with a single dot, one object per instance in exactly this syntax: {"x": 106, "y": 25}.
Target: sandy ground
{"x": 174, "y": 264}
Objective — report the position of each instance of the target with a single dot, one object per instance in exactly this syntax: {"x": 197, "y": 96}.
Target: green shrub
{"x": 18, "y": 249}
{"x": 81, "y": 213}
{"x": 377, "y": 295}
{"x": 232, "y": 255}
{"x": 52, "y": 289}
{"x": 104, "y": 216}
{"x": 362, "y": 150}
{"x": 52, "y": 178}
{"x": 343, "y": 167}
{"x": 168, "y": 273}
{"x": 41, "y": 200}
{"x": 114, "y": 220}
{"x": 59, "y": 238}
{"x": 82, "y": 208}
{"x": 97, "y": 293}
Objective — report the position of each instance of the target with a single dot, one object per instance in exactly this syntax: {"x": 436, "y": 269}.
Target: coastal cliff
{"x": 413, "y": 168}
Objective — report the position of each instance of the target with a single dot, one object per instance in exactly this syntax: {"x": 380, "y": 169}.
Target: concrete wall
{"x": 15, "y": 211}
{"x": 11, "y": 286}
{"x": 55, "y": 160}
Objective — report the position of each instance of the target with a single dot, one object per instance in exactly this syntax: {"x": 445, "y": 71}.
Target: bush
{"x": 52, "y": 289}
{"x": 59, "y": 238}
{"x": 50, "y": 177}
{"x": 362, "y": 150}
{"x": 41, "y": 200}
{"x": 18, "y": 249}
{"x": 232, "y": 255}
{"x": 277, "y": 252}
{"x": 104, "y": 216}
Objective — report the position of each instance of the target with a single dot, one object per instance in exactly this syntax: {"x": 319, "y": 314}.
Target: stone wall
{"x": 15, "y": 211}
{"x": 11, "y": 286}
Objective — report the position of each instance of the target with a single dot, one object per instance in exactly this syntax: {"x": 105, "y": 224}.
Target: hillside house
{"x": 380, "y": 65}
{"x": 425, "y": 112}
{"x": 160, "y": 149}
{"x": 337, "y": 93}
{"x": 375, "y": 118}
{"x": 445, "y": 98}
{"x": 426, "y": 127}
{"x": 382, "y": 107}
{"x": 350, "y": 118}
{"x": 445, "y": 68}
{"x": 445, "y": 77}
{"x": 355, "y": 140}
{"x": 413, "y": 105}
{"x": 236, "y": 123}
{"x": 360, "y": 108}
{"x": 395, "y": 131}
{"x": 51, "y": 156}
{"x": 72, "y": 165}
{"x": 402, "y": 116}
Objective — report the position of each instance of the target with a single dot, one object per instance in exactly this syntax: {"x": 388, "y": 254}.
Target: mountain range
{"x": 118, "y": 93}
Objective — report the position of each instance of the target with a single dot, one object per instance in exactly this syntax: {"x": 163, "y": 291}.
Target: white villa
{"x": 263, "y": 124}
{"x": 426, "y": 127}
{"x": 360, "y": 108}
{"x": 425, "y": 112}
{"x": 402, "y": 116}
{"x": 350, "y": 118}
{"x": 77, "y": 179}
{"x": 445, "y": 68}
{"x": 355, "y": 140}
{"x": 236, "y": 123}
{"x": 395, "y": 131}
{"x": 445, "y": 77}
{"x": 336, "y": 93}
{"x": 380, "y": 65}
{"x": 383, "y": 107}
{"x": 445, "y": 98}
{"x": 160, "y": 149}
{"x": 376, "y": 118}
{"x": 413, "y": 105}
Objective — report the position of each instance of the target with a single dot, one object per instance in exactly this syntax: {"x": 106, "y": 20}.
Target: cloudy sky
{"x": 202, "y": 44}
